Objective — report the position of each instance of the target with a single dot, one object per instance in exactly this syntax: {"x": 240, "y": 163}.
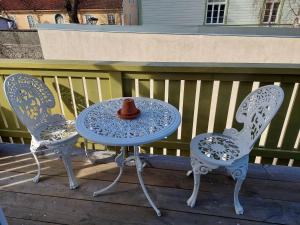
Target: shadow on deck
{"x": 270, "y": 194}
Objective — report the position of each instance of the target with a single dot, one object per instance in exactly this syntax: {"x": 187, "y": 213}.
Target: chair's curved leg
{"x": 139, "y": 169}
{"x": 33, "y": 149}
{"x": 238, "y": 171}
{"x": 64, "y": 151}
{"x": 192, "y": 200}
{"x": 199, "y": 168}
{"x": 36, "y": 178}
{"x": 68, "y": 165}
{"x": 120, "y": 160}
{"x": 237, "y": 205}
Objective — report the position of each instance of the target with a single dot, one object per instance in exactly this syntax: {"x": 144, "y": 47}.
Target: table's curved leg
{"x": 120, "y": 160}
{"x": 139, "y": 169}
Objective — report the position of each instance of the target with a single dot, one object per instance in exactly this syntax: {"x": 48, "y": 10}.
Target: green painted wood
{"x": 144, "y": 88}
{"x": 159, "y": 89}
{"x": 277, "y": 122}
{"x": 115, "y": 84}
{"x": 105, "y": 89}
{"x": 174, "y": 94}
{"x": 293, "y": 125}
{"x": 268, "y": 160}
{"x": 65, "y": 92}
{"x": 222, "y": 105}
{"x": 6, "y": 109}
{"x": 159, "y": 93}
{"x": 210, "y": 75}
{"x": 92, "y": 90}
{"x": 188, "y": 110}
{"x": 3, "y": 108}
{"x": 79, "y": 94}
{"x": 204, "y": 106}
{"x": 128, "y": 87}
{"x": 79, "y": 65}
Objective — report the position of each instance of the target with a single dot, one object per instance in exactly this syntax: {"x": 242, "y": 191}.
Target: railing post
{"x": 115, "y": 84}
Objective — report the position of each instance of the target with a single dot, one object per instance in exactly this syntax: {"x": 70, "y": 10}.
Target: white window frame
{"x": 87, "y": 17}
{"x": 271, "y": 11}
{"x": 13, "y": 24}
{"x": 108, "y": 19}
{"x": 213, "y": 3}
{"x": 31, "y": 21}
{"x": 57, "y": 15}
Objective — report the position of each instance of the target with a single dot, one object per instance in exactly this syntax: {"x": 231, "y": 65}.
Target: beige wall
{"x": 111, "y": 46}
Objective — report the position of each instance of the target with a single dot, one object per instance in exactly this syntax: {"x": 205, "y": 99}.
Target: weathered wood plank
{"x": 17, "y": 221}
{"x": 73, "y": 211}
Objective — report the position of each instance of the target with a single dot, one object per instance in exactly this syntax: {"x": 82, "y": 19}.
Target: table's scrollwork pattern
{"x": 103, "y": 120}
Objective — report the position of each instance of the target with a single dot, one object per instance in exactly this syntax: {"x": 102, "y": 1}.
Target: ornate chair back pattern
{"x": 30, "y": 98}
{"x": 257, "y": 110}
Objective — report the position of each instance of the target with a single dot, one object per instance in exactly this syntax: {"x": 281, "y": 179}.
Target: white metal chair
{"x": 31, "y": 100}
{"x": 231, "y": 149}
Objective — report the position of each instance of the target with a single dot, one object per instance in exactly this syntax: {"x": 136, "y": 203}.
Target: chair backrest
{"x": 30, "y": 98}
{"x": 257, "y": 110}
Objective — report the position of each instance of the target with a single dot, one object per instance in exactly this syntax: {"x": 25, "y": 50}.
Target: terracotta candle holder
{"x": 128, "y": 110}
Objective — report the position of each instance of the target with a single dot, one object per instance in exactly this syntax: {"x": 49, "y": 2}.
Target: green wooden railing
{"x": 206, "y": 94}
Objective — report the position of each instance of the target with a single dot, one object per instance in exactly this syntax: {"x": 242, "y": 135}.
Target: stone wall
{"x": 20, "y": 44}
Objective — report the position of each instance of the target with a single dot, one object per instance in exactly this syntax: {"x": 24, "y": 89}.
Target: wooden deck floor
{"x": 270, "y": 194}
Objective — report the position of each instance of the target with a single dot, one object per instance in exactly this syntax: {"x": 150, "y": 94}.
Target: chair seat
{"x": 217, "y": 149}
{"x": 59, "y": 131}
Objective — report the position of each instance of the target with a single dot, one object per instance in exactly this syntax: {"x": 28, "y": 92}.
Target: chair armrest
{"x": 232, "y": 132}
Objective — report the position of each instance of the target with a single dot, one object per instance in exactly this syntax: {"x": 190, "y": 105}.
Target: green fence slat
{"x": 222, "y": 106}
{"x": 174, "y": 93}
{"x": 278, "y": 120}
{"x": 188, "y": 110}
{"x": 8, "y": 113}
{"x": 159, "y": 89}
{"x": 66, "y": 97}
{"x": 293, "y": 125}
{"x": 92, "y": 90}
{"x": 128, "y": 87}
{"x": 204, "y": 106}
{"x": 144, "y": 88}
{"x": 50, "y": 82}
{"x": 105, "y": 89}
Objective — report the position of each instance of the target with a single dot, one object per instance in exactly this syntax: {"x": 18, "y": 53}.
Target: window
{"x": 111, "y": 19}
{"x": 87, "y": 19}
{"x": 215, "y": 11}
{"x": 31, "y": 22}
{"x": 271, "y": 9}
{"x": 13, "y": 23}
{"x": 59, "y": 19}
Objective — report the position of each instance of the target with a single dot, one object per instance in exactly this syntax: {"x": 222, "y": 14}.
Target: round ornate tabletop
{"x": 101, "y": 124}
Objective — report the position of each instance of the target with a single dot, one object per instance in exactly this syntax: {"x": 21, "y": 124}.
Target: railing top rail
{"x": 78, "y": 65}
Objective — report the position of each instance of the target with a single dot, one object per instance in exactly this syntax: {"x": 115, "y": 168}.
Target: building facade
{"x": 219, "y": 12}
{"x": 27, "y": 14}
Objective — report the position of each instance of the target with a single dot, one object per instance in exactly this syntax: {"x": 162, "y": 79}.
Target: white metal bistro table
{"x": 100, "y": 124}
